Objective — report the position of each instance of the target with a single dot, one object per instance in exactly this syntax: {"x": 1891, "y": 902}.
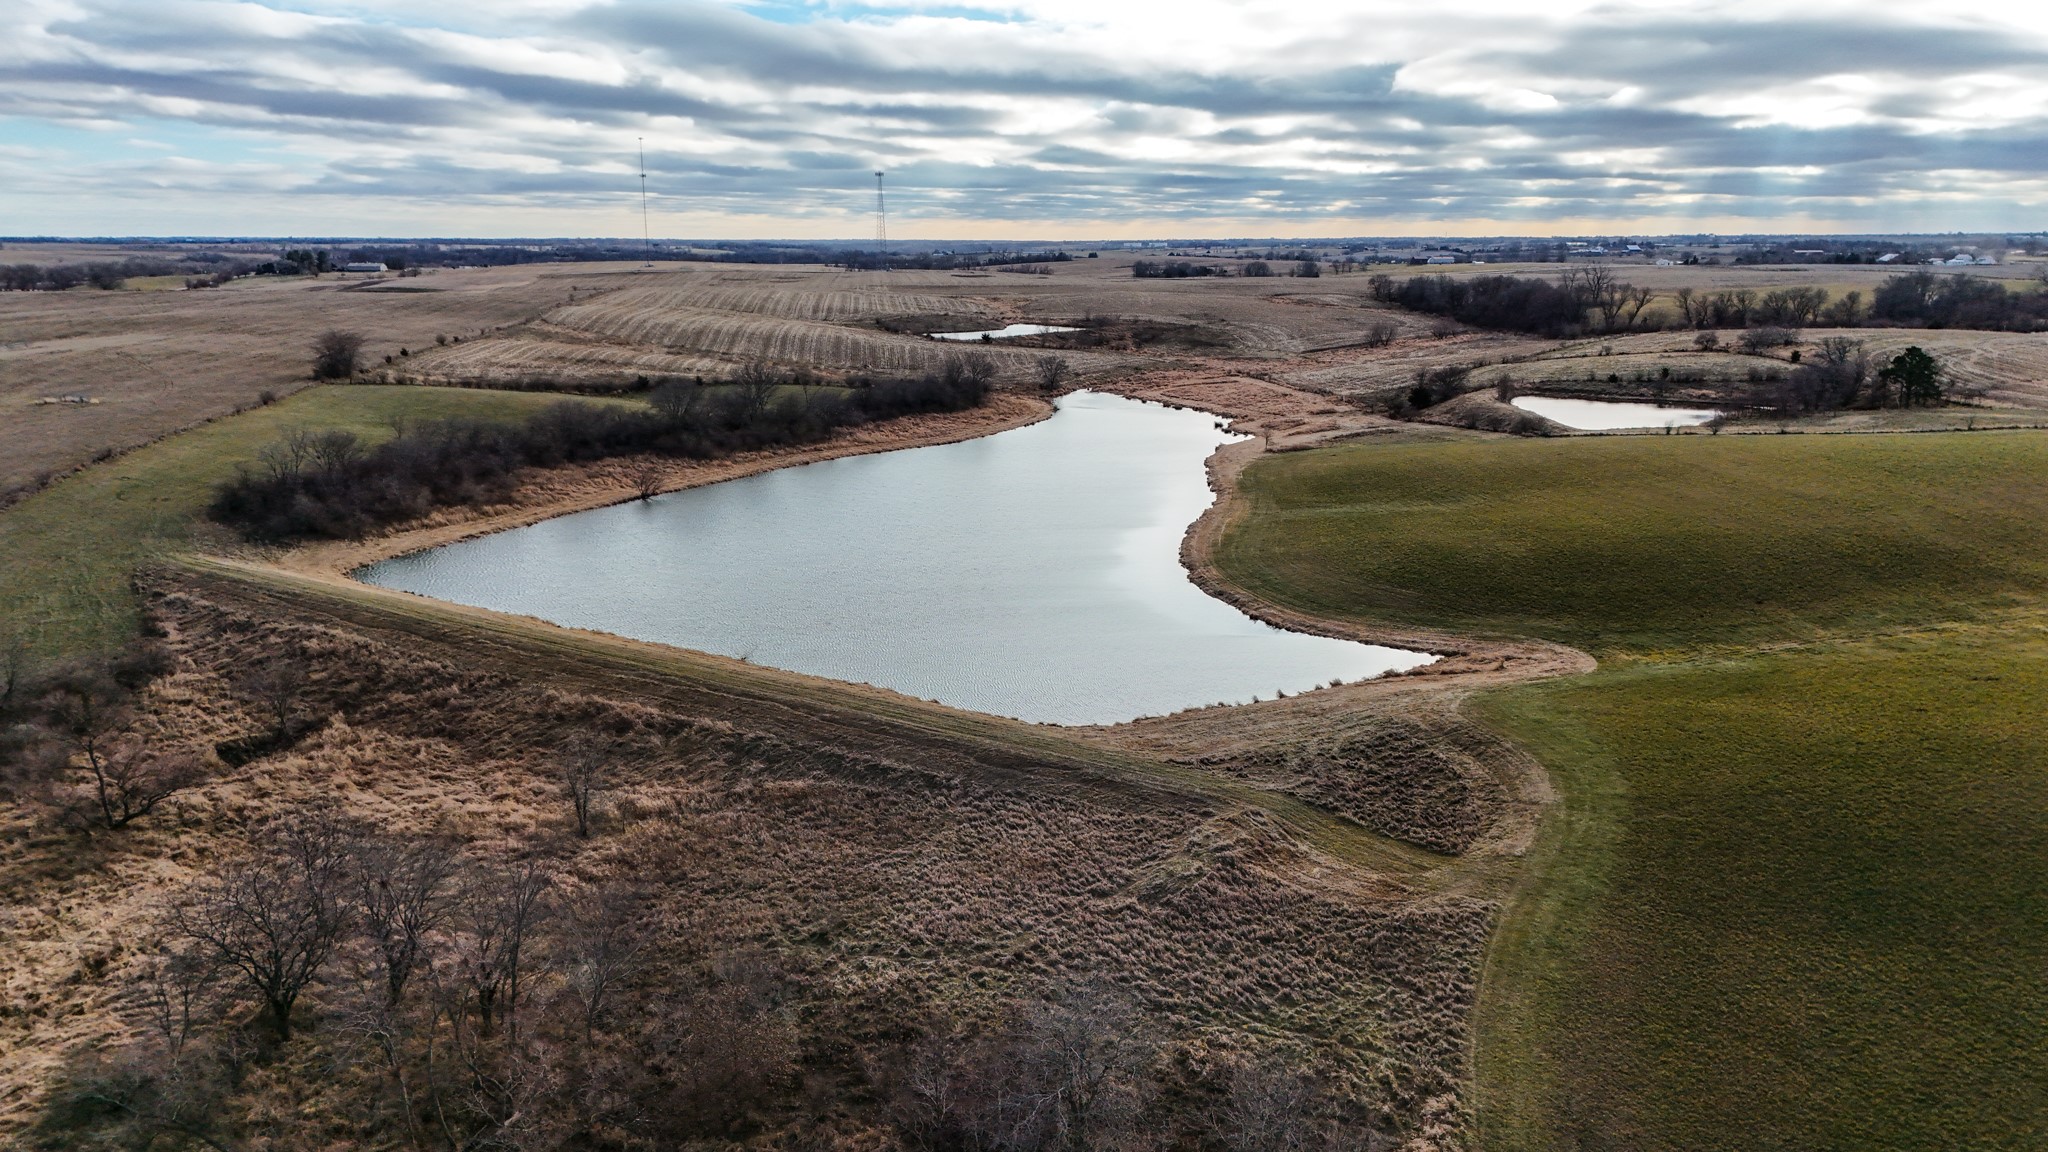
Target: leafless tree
{"x": 678, "y": 401}
{"x": 978, "y": 368}
{"x": 1381, "y": 333}
{"x": 1272, "y": 1108}
{"x": 1687, "y": 311}
{"x": 336, "y": 354}
{"x": 600, "y": 950}
{"x": 1633, "y": 301}
{"x": 1080, "y": 1066}
{"x": 1052, "y": 371}
{"x": 277, "y": 915}
{"x": 402, "y": 896}
{"x": 275, "y": 686}
{"x": 131, "y": 778}
{"x": 586, "y": 763}
{"x": 648, "y": 478}
{"x": 1707, "y": 341}
{"x": 503, "y": 913}
{"x": 175, "y": 991}
{"x": 757, "y": 382}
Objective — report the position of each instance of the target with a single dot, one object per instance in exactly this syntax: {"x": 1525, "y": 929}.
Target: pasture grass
{"x": 1793, "y": 896}
{"x": 1637, "y": 544}
{"x": 71, "y": 549}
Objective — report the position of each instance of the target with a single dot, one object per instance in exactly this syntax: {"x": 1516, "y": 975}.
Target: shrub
{"x": 331, "y": 485}
{"x": 336, "y": 355}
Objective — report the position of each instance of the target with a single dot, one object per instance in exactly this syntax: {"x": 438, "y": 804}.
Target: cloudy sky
{"x": 1023, "y": 119}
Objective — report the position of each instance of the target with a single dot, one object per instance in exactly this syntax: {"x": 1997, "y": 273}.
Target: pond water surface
{"x": 1611, "y": 415}
{"x": 1005, "y": 331}
{"x": 1034, "y": 573}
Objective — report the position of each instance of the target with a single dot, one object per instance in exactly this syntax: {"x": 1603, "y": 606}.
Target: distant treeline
{"x": 1175, "y": 269}
{"x": 1509, "y": 303}
{"x": 1956, "y": 301}
{"x": 1593, "y": 300}
{"x": 334, "y": 486}
{"x": 105, "y": 274}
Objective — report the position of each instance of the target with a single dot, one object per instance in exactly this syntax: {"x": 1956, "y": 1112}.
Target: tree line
{"x": 333, "y": 485}
{"x": 1594, "y": 300}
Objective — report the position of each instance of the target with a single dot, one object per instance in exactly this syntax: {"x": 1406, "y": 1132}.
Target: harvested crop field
{"x": 159, "y": 361}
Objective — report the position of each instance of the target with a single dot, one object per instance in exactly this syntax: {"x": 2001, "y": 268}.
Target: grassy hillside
{"x": 1794, "y": 890}
{"x": 1632, "y": 544}
{"x": 71, "y": 548}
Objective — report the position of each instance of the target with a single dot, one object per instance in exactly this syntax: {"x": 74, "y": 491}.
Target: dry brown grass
{"x": 891, "y": 885}
{"x": 160, "y": 361}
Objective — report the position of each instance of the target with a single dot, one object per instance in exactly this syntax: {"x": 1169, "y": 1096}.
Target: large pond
{"x": 1611, "y": 415}
{"x": 1034, "y": 573}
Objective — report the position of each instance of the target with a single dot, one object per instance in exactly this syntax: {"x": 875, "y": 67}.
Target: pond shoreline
{"x": 1469, "y": 662}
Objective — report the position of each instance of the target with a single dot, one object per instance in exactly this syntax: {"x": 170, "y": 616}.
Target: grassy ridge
{"x": 70, "y": 549}
{"x": 1620, "y": 544}
{"x": 1793, "y": 898}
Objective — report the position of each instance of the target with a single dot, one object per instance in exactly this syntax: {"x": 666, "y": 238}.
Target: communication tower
{"x": 881, "y": 223}
{"x": 646, "y": 233}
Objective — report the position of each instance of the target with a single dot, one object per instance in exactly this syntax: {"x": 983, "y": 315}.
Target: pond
{"x": 1034, "y": 573}
{"x": 1611, "y": 415}
{"x": 1003, "y": 332}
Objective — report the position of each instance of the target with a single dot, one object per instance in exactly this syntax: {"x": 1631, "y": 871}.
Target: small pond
{"x": 1611, "y": 415}
{"x": 1003, "y": 332}
{"x": 1034, "y": 573}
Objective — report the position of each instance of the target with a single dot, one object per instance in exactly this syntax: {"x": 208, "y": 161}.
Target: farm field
{"x": 1714, "y": 577}
{"x": 1801, "y": 797}
{"x": 159, "y": 361}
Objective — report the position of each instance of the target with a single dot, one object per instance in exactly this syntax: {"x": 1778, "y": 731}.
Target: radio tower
{"x": 881, "y": 223}
{"x": 646, "y": 233}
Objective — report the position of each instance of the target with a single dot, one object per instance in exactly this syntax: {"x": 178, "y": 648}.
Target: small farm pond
{"x": 1004, "y": 332}
{"x": 1034, "y": 573}
{"x": 1611, "y": 415}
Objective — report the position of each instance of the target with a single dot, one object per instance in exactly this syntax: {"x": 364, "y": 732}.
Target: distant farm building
{"x": 364, "y": 267}
{"x": 1887, "y": 258}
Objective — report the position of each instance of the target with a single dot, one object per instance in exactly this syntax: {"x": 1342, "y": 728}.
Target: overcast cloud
{"x": 1049, "y": 118}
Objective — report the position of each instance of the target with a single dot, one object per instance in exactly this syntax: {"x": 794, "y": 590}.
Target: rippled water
{"x": 1006, "y": 330}
{"x": 1034, "y": 573}
{"x": 1611, "y": 415}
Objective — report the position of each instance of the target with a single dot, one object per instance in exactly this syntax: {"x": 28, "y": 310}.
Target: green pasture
{"x": 1794, "y": 895}
{"x": 70, "y": 550}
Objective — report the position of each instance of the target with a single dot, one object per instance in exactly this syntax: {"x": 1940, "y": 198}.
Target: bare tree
{"x": 174, "y": 991}
{"x": 402, "y": 896}
{"x": 648, "y": 478}
{"x": 1687, "y": 311}
{"x": 276, "y": 916}
{"x": 274, "y": 686}
{"x": 1633, "y": 301}
{"x": 336, "y": 354}
{"x": 131, "y": 778}
{"x": 1081, "y": 1061}
{"x": 586, "y": 767}
{"x": 978, "y": 369}
{"x": 678, "y": 401}
{"x": 1052, "y": 371}
{"x": 1271, "y": 1108}
{"x": 1381, "y": 333}
{"x": 757, "y": 383}
{"x": 601, "y": 950}
{"x": 503, "y": 913}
